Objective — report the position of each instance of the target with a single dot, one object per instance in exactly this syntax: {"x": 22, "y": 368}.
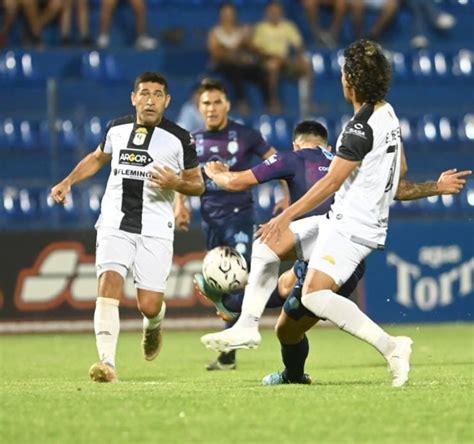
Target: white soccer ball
{"x": 225, "y": 269}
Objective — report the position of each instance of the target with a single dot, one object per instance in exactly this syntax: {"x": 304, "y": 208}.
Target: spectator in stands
{"x": 190, "y": 118}
{"x": 387, "y": 11}
{"x": 30, "y": 10}
{"x": 280, "y": 44}
{"x": 425, "y": 11}
{"x": 64, "y": 9}
{"x": 233, "y": 56}
{"x": 143, "y": 41}
{"x": 322, "y": 36}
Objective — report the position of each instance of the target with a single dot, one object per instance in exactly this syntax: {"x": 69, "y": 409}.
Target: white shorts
{"x": 327, "y": 249}
{"x": 149, "y": 257}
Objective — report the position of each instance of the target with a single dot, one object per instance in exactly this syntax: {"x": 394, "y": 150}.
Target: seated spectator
{"x": 387, "y": 11}
{"x": 30, "y": 10}
{"x": 425, "y": 11}
{"x": 330, "y": 37}
{"x": 143, "y": 41}
{"x": 280, "y": 43}
{"x": 233, "y": 56}
{"x": 64, "y": 9}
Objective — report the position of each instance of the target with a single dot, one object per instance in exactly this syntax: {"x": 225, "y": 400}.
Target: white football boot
{"x": 232, "y": 339}
{"x": 399, "y": 360}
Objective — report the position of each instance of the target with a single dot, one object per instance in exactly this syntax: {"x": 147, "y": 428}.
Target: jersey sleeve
{"x": 357, "y": 140}
{"x": 258, "y": 144}
{"x": 275, "y": 167}
{"x": 190, "y": 159}
{"x": 105, "y": 144}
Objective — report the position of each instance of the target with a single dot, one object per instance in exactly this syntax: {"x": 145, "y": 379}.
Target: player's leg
{"x": 151, "y": 269}
{"x": 262, "y": 281}
{"x": 114, "y": 255}
{"x": 333, "y": 260}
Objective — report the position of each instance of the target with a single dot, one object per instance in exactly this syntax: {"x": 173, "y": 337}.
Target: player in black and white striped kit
{"x": 151, "y": 158}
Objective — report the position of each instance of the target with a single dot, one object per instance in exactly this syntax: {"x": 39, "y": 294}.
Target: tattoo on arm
{"x": 408, "y": 190}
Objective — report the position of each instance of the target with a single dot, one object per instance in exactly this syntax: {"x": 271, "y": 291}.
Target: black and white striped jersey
{"x": 361, "y": 205}
{"x": 129, "y": 202}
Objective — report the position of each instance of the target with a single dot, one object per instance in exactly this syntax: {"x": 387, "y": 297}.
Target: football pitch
{"x": 46, "y": 396}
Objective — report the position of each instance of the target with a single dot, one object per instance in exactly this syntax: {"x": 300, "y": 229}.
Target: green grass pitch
{"x": 46, "y": 396}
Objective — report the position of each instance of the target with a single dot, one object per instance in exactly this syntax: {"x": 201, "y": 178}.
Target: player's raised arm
{"x": 230, "y": 180}
{"x": 449, "y": 182}
{"x": 86, "y": 168}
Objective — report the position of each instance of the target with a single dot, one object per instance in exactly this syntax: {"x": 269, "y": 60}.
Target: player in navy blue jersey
{"x": 227, "y": 218}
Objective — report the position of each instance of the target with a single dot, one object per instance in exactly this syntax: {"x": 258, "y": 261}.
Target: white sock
{"x": 152, "y": 323}
{"x": 263, "y": 279}
{"x": 348, "y": 317}
{"x": 107, "y": 328}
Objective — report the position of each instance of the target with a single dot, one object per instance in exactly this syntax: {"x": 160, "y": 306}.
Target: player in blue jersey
{"x": 227, "y": 218}
{"x": 305, "y": 165}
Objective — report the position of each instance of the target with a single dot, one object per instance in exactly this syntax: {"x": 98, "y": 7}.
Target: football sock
{"x": 347, "y": 316}
{"x": 227, "y": 358}
{"x": 263, "y": 279}
{"x": 106, "y": 328}
{"x": 294, "y": 357}
{"x": 152, "y": 323}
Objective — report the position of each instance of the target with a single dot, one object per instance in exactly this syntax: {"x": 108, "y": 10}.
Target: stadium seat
{"x": 70, "y": 212}
{"x": 462, "y": 64}
{"x": 277, "y": 131}
{"x": 93, "y": 195}
{"x": 466, "y": 128}
{"x": 94, "y": 130}
{"x": 20, "y": 134}
{"x": 97, "y": 65}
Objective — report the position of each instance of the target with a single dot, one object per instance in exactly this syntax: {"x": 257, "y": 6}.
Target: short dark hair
{"x": 310, "y": 128}
{"x": 367, "y": 70}
{"x": 150, "y": 76}
{"x": 209, "y": 84}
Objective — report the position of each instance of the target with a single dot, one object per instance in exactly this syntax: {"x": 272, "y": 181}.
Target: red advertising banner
{"x": 51, "y": 276}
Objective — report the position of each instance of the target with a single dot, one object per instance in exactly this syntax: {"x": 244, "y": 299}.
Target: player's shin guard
{"x": 263, "y": 279}
{"x": 107, "y": 328}
{"x": 294, "y": 357}
{"x": 348, "y": 317}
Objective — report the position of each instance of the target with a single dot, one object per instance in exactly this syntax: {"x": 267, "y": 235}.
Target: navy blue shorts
{"x": 235, "y": 232}
{"x": 293, "y": 306}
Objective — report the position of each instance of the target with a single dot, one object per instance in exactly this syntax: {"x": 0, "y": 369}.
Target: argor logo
{"x": 135, "y": 158}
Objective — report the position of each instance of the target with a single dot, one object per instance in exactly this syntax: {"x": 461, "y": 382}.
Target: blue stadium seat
{"x": 465, "y": 128}
{"x": 92, "y": 196}
{"x": 70, "y": 212}
{"x": 20, "y": 134}
{"x": 94, "y": 130}
{"x": 19, "y": 204}
{"x": 463, "y": 64}
{"x": 277, "y": 131}
{"x": 97, "y": 65}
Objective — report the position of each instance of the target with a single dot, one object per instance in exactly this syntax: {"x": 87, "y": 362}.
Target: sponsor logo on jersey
{"x": 140, "y": 136}
{"x": 323, "y": 168}
{"x": 135, "y": 174}
{"x": 271, "y": 159}
{"x": 356, "y": 130}
{"x": 135, "y": 158}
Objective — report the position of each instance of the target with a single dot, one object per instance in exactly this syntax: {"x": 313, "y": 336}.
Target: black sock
{"x": 294, "y": 357}
{"x": 227, "y": 358}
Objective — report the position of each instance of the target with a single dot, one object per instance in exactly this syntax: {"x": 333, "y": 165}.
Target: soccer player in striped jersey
{"x": 364, "y": 176}
{"x": 151, "y": 158}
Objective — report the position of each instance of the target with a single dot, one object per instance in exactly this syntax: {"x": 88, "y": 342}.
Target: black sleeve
{"x": 190, "y": 159}
{"x": 357, "y": 141}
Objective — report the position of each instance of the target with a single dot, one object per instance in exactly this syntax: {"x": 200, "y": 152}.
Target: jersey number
{"x": 391, "y": 174}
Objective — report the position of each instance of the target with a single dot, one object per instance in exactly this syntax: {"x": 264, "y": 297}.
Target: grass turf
{"x": 46, "y": 395}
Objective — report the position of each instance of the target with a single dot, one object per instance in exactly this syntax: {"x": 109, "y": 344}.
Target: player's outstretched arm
{"x": 182, "y": 212}
{"x": 190, "y": 181}
{"x": 449, "y": 182}
{"x": 230, "y": 180}
{"x": 86, "y": 168}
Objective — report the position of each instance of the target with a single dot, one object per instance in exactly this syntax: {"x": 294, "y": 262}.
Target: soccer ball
{"x": 225, "y": 269}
